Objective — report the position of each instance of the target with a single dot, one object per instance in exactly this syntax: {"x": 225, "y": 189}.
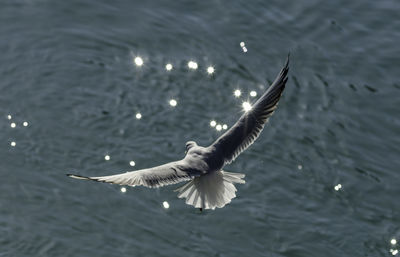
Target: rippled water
{"x": 322, "y": 180}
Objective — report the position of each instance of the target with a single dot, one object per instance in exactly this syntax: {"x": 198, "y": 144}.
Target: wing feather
{"x": 167, "y": 174}
{"x": 247, "y": 129}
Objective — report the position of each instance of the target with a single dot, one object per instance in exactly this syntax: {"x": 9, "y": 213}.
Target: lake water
{"x": 322, "y": 179}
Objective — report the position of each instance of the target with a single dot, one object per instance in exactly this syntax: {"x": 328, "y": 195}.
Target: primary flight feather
{"x": 208, "y": 185}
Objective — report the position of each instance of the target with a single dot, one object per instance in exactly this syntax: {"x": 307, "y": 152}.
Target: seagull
{"x": 208, "y": 186}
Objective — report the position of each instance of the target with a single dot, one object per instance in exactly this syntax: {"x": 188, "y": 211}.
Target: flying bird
{"x": 208, "y": 185}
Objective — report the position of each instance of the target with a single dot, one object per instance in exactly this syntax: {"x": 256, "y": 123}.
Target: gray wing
{"x": 246, "y": 130}
{"x": 167, "y": 174}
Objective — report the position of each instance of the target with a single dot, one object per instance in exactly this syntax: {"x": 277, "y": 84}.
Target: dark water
{"x": 67, "y": 69}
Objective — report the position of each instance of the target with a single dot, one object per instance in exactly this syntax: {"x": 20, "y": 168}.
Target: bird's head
{"x": 189, "y": 145}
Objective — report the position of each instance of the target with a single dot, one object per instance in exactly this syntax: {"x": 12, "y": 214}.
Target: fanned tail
{"x": 210, "y": 191}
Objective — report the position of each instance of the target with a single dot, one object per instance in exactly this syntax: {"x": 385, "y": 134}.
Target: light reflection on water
{"x": 393, "y": 242}
{"x": 237, "y": 93}
{"x": 210, "y": 70}
{"x": 243, "y": 46}
{"x": 138, "y": 61}
{"x": 107, "y": 157}
{"x": 165, "y": 205}
{"x": 246, "y": 106}
{"x": 218, "y": 126}
{"x": 173, "y": 102}
{"x": 338, "y": 187}
{"x": 192, "y": 65}
{"x": 14, "y": 125}
{"x": 168, "y": 66}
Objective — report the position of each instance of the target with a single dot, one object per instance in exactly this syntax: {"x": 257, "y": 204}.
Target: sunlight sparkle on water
{"x": 213, "y": 123}
{"x": 13, "y": 125}
{"x": 173, "y": 102}
{"x": 9, "y": 116}
{"x": 243, "y": 46}
{"x": 394, "y": 251}
{"x": 393, "y": 241}
{"x": 25, "y": 124}
{"x": 168, "y": 66}
{"x": 123, "y": 189}
{"x": 13, "y": 143}
{"x": 138, "y": 115}
{"x": 300, "y": 166}
{"x": 237, "y": 93}
{"x": 132, "y": 163}
{"x": 218, "y": 127}
{"x": 192, "y": 65}
{"x": 246, "y": 106}
{"x": 338, "y": 187}
{"x": 253, "y": 93}
{"x": 224, "y": 127}
{"x": 107, "y": 158}
{"x": 138, "y": 61}
{"x": 210, "y": 70}
{"x": 165, "y": 205}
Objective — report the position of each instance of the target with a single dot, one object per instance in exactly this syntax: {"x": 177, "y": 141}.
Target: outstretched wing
{"x": 167, "y": 174}
{"x": 249, "y": 126}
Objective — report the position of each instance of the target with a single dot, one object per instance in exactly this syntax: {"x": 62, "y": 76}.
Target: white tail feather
{"x": 212, "y": 190}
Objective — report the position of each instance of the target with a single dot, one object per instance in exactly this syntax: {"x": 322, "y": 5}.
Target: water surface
{"x": 67, "y": 69}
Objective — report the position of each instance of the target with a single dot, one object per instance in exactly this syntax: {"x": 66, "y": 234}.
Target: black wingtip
{"x": 287, "y": 61}
{"x": 77, "y": 176}
{"x": 285, "y": 69}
